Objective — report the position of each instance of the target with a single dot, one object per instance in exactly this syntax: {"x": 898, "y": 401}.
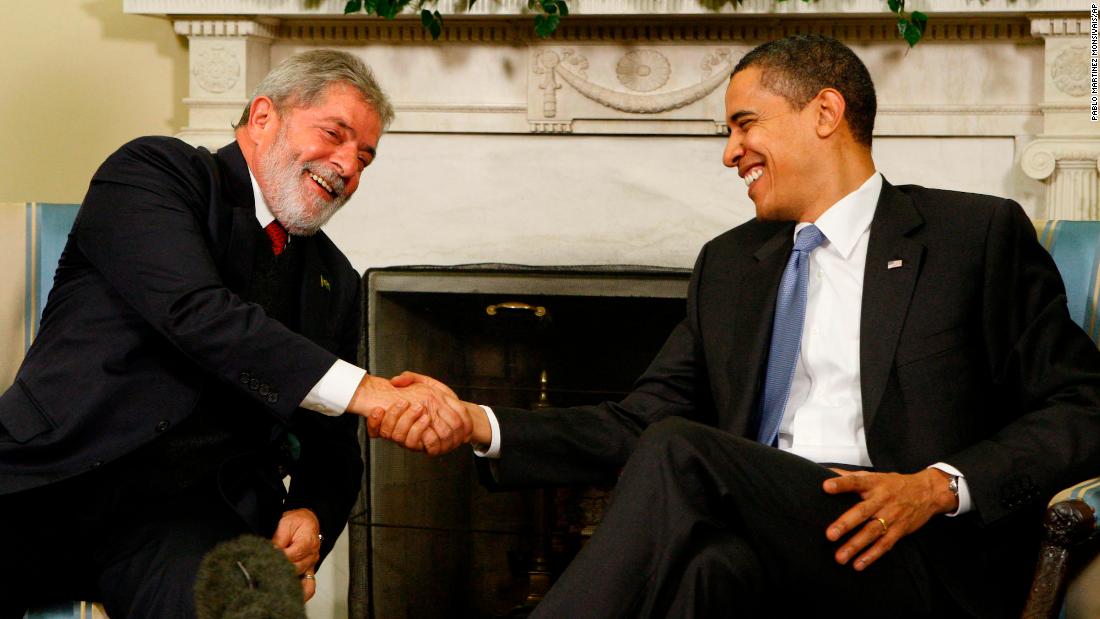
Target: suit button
{"x": 162, "y": 426}
{"x": 265, "y": 389}
{"x": 272, "y": 397}
{"x": 254, "y": 384}
{"x": 245, "y": 377}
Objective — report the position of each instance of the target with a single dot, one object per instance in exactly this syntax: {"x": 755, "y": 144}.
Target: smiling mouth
{"x": 324, "y": 185}
{"x": 753, "y": 175}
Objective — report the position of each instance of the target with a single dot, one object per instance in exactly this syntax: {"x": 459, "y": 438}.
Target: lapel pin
{"x": 324, "y": 284}
{"x": 894, "y": 264}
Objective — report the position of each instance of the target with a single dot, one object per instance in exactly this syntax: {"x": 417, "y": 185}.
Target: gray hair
{"x": 302, "y": 79}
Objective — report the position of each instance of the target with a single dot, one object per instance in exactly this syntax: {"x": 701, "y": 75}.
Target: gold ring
{"x": 883, "y": 523}
{"x": 309, "y": 576}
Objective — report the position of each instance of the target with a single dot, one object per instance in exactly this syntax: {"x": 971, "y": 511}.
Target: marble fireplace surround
{"x": 602, "y": 144}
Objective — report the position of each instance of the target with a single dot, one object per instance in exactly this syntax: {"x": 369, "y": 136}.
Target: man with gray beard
{"x": 197, "y": 348}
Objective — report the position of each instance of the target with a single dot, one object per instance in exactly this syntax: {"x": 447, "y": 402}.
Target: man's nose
{"x": 346, "y": 159}
{"x": 732, "y": 154}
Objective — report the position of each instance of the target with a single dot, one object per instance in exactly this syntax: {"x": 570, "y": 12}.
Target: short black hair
{"x": 800, "y": 66}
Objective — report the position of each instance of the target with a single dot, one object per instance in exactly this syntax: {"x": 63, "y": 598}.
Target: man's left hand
{"x": 299, "y": 537}
{"x": 893, "y": 506}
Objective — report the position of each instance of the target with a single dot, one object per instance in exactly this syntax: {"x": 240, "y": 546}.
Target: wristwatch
{"x": 953, "y": 485}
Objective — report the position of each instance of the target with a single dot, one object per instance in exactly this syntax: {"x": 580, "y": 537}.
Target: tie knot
{"x": 808, "y": 239}
{"x": 277, "y": 233}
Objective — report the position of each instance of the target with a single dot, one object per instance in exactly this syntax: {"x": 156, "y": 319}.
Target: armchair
{"x": 1073, "y": 515}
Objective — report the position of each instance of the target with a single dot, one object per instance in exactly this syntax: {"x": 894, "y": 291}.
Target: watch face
{"x": 953, "y": 485}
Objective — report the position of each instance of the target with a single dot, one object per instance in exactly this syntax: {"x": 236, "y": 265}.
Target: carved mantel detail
{"x": 652, "y": 87}
{"x": 1070, "y": 166}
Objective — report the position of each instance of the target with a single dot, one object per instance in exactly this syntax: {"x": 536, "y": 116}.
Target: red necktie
{"x": 277, "y": 233}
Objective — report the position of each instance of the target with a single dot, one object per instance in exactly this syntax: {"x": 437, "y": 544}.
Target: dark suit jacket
{"x": 145, "y": 318}
{"x": 968, "y": 356}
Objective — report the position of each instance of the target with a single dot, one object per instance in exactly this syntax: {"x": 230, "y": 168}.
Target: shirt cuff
{"x": 964, "y": 489}
{"x": 493, "y": 450}
{"x": 332, "y": 394}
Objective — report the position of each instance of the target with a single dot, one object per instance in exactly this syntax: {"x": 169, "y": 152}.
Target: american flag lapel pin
{"x": 894, "y": 264}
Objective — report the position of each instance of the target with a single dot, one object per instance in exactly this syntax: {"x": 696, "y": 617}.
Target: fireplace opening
{"x": 427, "y": 539}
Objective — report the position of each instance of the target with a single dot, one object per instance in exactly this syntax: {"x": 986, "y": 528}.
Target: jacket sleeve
{"x": 1045, "y": 376}
{"x": 144, "y": 227}
{"x": 589, "y": 444}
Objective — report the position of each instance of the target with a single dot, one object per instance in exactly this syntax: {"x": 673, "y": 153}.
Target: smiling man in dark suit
{"x": 874, "y": 391}
{"x": 197, "y": 346}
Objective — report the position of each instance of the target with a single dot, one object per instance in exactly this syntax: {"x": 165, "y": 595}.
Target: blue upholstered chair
{"x": 1073, "y": 515}
{"x": 39, "y": 230}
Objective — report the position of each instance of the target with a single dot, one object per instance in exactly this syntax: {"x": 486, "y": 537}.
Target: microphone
{"x": 248, "y": 578}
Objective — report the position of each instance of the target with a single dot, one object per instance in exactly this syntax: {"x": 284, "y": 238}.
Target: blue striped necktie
{"x": 790, "y": 314}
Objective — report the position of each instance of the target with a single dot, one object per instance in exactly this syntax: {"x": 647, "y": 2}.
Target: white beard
{"x": 301, "y": 211}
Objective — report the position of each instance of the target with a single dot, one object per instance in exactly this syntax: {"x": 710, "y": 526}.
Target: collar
{"x": 844, "y": 222}
{"x": 263, "y": 211}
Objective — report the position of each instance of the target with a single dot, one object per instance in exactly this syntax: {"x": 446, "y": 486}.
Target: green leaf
{"x": 920, "y": 20}
{"x": 896, "y": 6}
{"x": 353, "y": 6}
{"x": 426, "y": 19}
{"x": 545, "y": 25}
{"x": 563, "y": 8}
{"x": 437, "y": 26}
{"x": 550, "y": 7}
{"x": 909, "y": 31}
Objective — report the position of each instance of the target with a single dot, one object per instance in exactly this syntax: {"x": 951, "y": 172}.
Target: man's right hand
{"x": 480, "y": 432}
{"x": 417, "y": 416}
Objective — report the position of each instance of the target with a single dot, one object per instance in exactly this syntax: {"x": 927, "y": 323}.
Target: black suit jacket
{"x": 968, "y": 356}
{"x": 145, "y": 318}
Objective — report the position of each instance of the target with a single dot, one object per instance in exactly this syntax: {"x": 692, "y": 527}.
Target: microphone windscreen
{"x": 248, "y": 578}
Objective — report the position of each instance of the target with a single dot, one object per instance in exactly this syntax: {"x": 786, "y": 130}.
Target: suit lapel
{"x": 753, "y": 310}
{"x": 887, "y": 289}
{"x": 236, "y": 189}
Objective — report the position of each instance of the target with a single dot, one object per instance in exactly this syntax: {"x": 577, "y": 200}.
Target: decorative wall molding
{"x": 1070, "y": 71}
{"x": 322, "y": 8}
{"x": 264, "y": 28}
{"x": 217, "y": 69}
{"x": 1060, "y": 26}
{"x": 640, "y": 70}
{"x": 1040, "y": 156}
{"x": 629, "y": 90}
{"x": 665, "y": 30}
{"x": 1069, "y": 165}
{"x": 959, "y": 110}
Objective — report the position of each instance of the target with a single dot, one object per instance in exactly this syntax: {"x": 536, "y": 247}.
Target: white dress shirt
{"x": 332, "y": 394}
{"x": 823, "y": 419}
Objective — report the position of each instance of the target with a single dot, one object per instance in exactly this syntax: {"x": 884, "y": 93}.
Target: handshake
{"x": 419, "y": 413}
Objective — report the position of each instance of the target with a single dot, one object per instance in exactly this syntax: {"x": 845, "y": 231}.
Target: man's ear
{"x": 829, "y": 107}
{"x": 262, "y": 117}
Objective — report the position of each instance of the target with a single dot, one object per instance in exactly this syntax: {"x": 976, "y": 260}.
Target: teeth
{"x": 321, "y": 182}
{"x": 751, "y": 177}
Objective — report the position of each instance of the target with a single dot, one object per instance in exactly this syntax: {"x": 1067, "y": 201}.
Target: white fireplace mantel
{"x": 995, "y": 69}
{"x": 298, "y": 9}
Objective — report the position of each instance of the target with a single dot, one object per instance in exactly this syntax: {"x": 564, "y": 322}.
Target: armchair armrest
{"x": 1072, "y": 517}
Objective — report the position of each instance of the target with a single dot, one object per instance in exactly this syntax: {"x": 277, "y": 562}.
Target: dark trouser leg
{"x": 149, "y": 569}
{"x": 45, "y": 558}
{"x": 686, "y": 483}
{"x": 718, "y": 568}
